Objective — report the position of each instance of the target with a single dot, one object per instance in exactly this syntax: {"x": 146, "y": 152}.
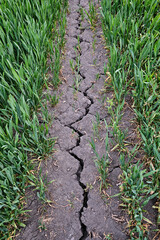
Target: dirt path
{"x": 79, "y": 211}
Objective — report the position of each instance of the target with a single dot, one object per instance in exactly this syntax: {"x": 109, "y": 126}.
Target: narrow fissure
{"x": 118, "y": 166}
{"x": 85, "y": 195}
{"x": 85, "y": 233}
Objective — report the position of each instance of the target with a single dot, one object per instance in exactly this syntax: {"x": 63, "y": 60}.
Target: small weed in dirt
{"x": 97, "y": 76}
{"x": 108, "y": 237}
{"x": 41, "y": 225}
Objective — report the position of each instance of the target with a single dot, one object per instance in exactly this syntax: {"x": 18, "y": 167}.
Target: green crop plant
{"x": 116, "y": 116}
{"x": 75, "y": 66}
{"x": 95, "y": 61}
{"x": 54, "y": 100}
{"x": 102, "y": 163}
{"x": 62, "y": 27}
{"x": 72, "y": 65}
{"x": 76, "y": 73}
{"x": 109, "y": 103}
{"x": 93, "y": 44}
{"x": 40, "y": 184}
{"x": 78, "y": 45}
{"x": 92, "y": 13}
{"x": 44, "y": 112}
{"x": 56, "y": 65}
{"x": 81, "y": 13}
{"x": 26, "y": 34}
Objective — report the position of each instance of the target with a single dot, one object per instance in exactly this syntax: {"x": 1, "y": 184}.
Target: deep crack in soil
{"x": 85, "y": 233}
{"x": 85, "y": 196}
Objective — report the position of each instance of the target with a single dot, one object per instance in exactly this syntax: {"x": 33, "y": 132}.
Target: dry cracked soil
{"x": 78, "y": 211}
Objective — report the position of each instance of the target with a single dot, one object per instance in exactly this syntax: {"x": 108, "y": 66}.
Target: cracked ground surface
{"x": 78, "y": 211}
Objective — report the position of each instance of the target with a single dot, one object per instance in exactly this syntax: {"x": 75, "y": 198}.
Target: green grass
{"x": 131, "y": 30}
{"x": 26, "y": 39}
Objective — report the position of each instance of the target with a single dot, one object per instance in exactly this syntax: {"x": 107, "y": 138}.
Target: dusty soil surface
{"x": 78, "y": 211}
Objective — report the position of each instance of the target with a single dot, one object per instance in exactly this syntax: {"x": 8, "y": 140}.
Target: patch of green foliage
{"x": 131, "y": 30}
{"x": 28, "y": 33}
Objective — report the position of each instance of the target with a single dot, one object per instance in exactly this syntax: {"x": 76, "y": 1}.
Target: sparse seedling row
{"x": 102, "y": 163}
{"x": 91, "y": 14}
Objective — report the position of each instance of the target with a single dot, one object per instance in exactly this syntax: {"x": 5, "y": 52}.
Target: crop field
{"x": 131, "y": 30}
{"x": 32, "y": 43}
{"x": 26, "y": 40}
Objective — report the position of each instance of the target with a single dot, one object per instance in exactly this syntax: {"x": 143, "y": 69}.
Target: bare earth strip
{"x": 79, "y": 211}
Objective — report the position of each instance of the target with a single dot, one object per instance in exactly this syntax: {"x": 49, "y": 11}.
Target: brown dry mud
{"x": 78, "y": 211}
